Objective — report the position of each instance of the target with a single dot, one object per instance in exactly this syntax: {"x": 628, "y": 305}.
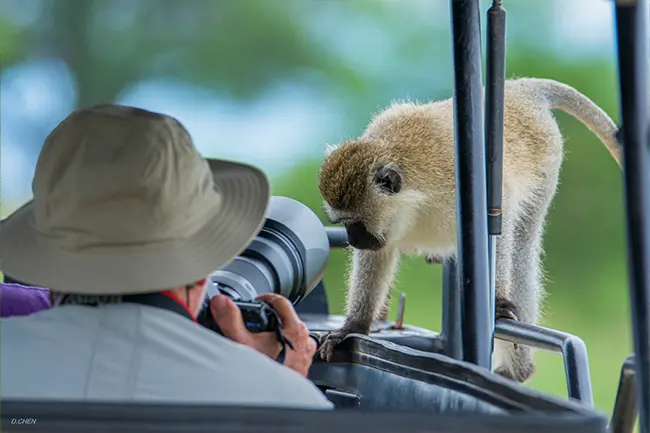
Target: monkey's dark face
{"x": 360, "y": 238}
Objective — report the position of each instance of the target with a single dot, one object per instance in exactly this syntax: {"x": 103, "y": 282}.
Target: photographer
{"x": 126, "y": 222}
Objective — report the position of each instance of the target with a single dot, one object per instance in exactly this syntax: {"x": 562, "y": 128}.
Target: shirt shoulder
{"x": 155, "y": 355}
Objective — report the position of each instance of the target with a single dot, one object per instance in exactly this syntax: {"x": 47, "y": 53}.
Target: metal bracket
{"x": 626, "y": 410}
{"x": 572, "y": 348}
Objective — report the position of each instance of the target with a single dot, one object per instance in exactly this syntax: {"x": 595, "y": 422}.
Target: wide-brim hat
{"x": 124, "y": 203}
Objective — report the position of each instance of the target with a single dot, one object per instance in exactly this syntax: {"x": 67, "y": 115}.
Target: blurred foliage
{"x": 11, "y": 42}
{"x": 124, "y": 41}
{"x": 243, "y": 48}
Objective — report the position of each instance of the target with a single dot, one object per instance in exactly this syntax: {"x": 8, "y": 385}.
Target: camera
{"x": 257, "y": 316}
{"x": 288, "y": 256}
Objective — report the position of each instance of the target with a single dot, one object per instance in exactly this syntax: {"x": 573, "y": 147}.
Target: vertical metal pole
{"x": 632, "y": 44}
{"x": 492, "y": 249}
{"x": 494, "y": 96}
{"x": 451, "y": 320}
{"x": 470, "y": 183}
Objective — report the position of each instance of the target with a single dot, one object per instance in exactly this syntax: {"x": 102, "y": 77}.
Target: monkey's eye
{"x": 388, "y": 180}
{"x": 385, "y": 183}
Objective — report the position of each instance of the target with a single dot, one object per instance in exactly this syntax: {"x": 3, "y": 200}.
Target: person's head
{"x": 124, "y": 204}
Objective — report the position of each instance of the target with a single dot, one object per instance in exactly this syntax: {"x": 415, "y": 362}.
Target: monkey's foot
{"x": 433, "y": 259}
{"x": 506, "y": 310}
{"x": 521, "y": 367}
{"x": 328, "y": 342}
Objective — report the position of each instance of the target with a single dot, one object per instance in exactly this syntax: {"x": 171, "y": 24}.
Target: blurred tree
{"x": 202, "y": 41}
{"x": 11, "y": 42}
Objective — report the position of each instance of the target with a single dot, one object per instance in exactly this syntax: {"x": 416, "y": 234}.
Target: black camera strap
{"x": 157, "y": 299}
{"x": 284, "y": 342}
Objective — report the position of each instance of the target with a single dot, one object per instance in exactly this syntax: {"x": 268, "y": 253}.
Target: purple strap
{"x": 19, "y": 300}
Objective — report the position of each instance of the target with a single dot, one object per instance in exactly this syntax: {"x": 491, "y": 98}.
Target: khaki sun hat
{"x": 124, "y": 203}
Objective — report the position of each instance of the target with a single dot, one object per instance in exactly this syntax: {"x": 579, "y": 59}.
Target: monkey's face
{"x": 362, "y": 192}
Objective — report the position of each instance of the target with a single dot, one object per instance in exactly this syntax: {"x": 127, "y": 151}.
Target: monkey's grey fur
{"x": 394, "y": 188}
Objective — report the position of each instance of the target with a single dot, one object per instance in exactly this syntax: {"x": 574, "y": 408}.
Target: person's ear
{"x": 196, "y": 295}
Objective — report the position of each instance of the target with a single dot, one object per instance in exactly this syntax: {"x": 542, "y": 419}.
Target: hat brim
{"x": 28, "y": 256}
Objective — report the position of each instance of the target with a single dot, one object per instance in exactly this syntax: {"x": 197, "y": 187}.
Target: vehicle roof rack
{"x": 479, "y": 199}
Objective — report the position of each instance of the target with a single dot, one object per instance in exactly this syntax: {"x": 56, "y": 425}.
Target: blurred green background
{"x": 270, "y": 82}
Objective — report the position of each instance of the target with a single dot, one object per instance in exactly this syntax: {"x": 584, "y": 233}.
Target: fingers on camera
{"x": 298, "y": 334}
{"x": 283, "y": 307}
{"x": 228, "y": 317}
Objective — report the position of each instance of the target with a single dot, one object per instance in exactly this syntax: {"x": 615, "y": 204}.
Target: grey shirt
{"x": 132, "y": 352}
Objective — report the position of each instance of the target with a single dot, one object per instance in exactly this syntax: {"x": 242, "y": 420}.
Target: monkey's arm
{"x": 370, "y": 283}
{"x": 371, "y": 280}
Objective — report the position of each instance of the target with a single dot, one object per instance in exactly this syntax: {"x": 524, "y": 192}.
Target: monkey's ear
{"x": 387, "y": 179}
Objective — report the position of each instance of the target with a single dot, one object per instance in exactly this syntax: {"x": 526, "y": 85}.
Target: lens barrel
{"x": 288, "y": 256}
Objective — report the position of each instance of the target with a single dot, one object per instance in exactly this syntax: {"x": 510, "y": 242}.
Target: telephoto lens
{"x": 288, "y": 256}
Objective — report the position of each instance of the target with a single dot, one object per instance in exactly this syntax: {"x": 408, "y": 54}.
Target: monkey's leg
{"x": 506, "y": 306}
{"x": 385, "y": 310}
{"x": 528, "y": 290}
{"x": 370, "y": 282}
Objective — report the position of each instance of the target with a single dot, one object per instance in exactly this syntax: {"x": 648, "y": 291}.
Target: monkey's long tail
{"x": 564, "y": 97}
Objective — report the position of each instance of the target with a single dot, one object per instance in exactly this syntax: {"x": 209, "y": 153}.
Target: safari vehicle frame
{"x": 468, "y": 305}
{"x": 431, "y": 377}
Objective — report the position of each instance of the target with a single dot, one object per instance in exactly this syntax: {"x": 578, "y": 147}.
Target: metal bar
{"x": 451, "y": 323}
{"x": 492, "y": 248}
{"x": 572, "y": 348}
{"x": 494, "y": 96}
{"x": 337, "y": 236}
{"x": 632, "y": 44}
{"x": 471, "y": 187}
{"x": 625, "y": 413}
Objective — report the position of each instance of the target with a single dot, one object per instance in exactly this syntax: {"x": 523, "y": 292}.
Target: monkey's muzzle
{"x": 360, "y": 238}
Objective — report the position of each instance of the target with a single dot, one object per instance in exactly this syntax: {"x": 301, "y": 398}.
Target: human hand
{"x": 229, "y": 319}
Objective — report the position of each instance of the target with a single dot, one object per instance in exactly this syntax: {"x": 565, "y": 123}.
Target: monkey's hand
{"x": 327, "y": 344}
{"x": 329, "y": 341}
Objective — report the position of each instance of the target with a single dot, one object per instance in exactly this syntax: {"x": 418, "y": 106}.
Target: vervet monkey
{"x": 394, "y": 188}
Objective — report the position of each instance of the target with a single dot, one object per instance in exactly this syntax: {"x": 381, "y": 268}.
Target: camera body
{"x": 258, "y": 317}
